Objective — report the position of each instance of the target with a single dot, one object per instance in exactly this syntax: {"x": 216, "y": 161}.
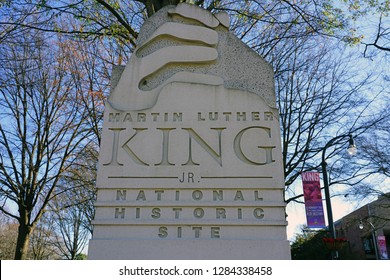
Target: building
{"x": 365, "y": 225}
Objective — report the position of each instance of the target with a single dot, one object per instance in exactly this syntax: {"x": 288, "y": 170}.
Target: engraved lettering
{"x": 258, "y": 213}
{"x": 127, "y": 118}
{"x": 121, "y": 195}
{"x": 177, "y": 195}
{"x": 165, "y": 146}
{"x": 162, "y": 232}
{"x": 218, "y": 195}
{"x": 141, "y": 195}
{"x": 182, "y": 178}
{"x": 141, "y": 117}
{"x": 177, "y": 117}
{"x": 255, "y": 116}
{"x": 214, "y": 150}
{"x": 197, "y": 195}
{"x": 198, "y": 213}
{"x": 114, "y": 117}
{"x": 238, "y": 149}
{"x": 200, "y": 118}
{"x": 190, "y": 177}
{"x": 155, "y": 116}
{"x": 114, "y": 153}
{"x": 193, "y": 135}
{"x": 179, "y": 232}
{"x": 197, "y": 231}
{"x": 268, "y": 116}
{"x": 220, "y": 213}
{"x": 227, "y": 115}
{"x": 239, "y": 196}
{"x": 120, "y": 213}
{"x": 241, "y": 116}
{"x": 257, "y": 198}
{"x": 215, "y": 232}
{"x": 130, "y": 151}
{"x": 159, "y": 192}
{"x": 177, "y": 212}
{"x": 213, "y": 116}
{"x": 156, "y": 213}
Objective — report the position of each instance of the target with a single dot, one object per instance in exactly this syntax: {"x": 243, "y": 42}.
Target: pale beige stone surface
{"x": 191, "y": 169}
{"x": 192, "y": 250}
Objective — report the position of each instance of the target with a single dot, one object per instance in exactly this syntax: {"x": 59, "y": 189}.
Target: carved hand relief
{"x": 191, "y": 45}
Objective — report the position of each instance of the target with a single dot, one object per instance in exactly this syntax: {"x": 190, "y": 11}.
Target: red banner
{"x": 382, "y": 248}
{"x": 313, "y": 200}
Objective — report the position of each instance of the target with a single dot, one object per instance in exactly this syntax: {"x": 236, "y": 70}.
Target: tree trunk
{"x": 23, "y": 241}
{"x": 153, "y": 6}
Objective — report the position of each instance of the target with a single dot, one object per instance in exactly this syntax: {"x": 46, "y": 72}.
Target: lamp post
{"x": 373, "y": 233}
{"x": 352, "y": 151}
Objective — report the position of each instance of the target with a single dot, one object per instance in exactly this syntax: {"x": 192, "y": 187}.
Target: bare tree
{"x": 71, "y": 215}
{"x": 42, "y": 241}
{"x": 43, "y": 127}
{"x": 375, "y": 153}
{"x": 319, "y": 98}
{"x": 122, "y": 19}
{"x": 8, "y": 231}
{"x": 381, "y": 38}
{"x": 71, "y": 236}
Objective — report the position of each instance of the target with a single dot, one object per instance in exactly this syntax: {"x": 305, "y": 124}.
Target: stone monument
{"x": 190, "y": 162}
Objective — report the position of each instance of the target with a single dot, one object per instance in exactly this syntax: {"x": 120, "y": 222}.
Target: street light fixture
{"x": 352, "y": 150}
{"x": 374, "y": 237}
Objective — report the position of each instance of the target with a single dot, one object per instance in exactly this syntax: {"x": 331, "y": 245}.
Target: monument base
{"x": 193, "y": 249}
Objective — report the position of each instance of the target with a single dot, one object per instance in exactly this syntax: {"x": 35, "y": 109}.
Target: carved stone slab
{"x": 190, "y": 161}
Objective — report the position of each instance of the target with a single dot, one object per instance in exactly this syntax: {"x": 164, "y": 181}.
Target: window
{"x": 369, "y": 245}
